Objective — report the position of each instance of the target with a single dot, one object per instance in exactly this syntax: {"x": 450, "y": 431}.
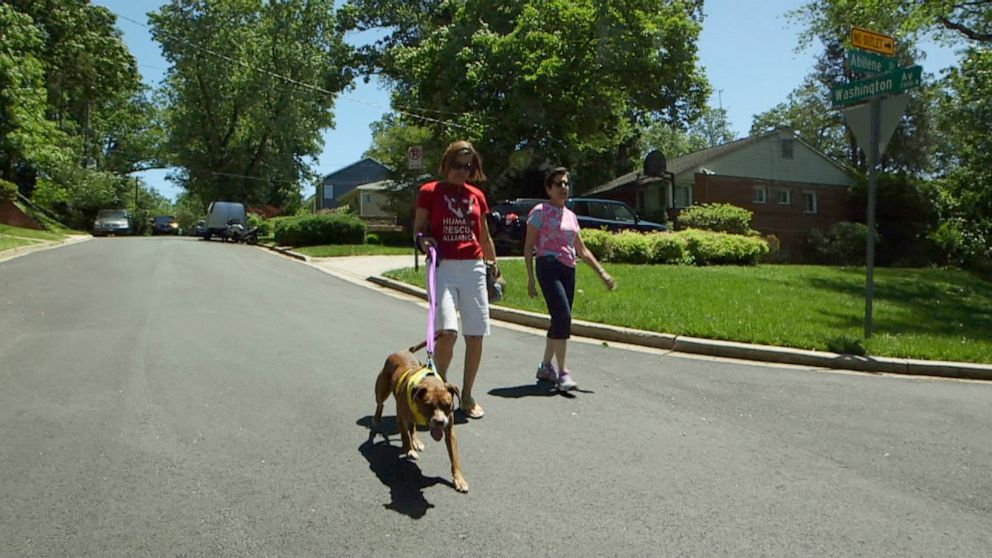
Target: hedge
{"x": 688, "y": 247}
{"x": 717, "y": 217}
{"x": 314, "y": 230}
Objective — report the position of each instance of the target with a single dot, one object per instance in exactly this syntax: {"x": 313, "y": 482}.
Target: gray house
{"x": 344, "y": 180}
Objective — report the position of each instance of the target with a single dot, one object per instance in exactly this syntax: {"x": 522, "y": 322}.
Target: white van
{"x": 220, "y": 214}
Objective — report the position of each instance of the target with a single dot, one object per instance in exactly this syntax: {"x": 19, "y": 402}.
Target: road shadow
{"x": 539, "y": 389}
{"x": 403, "y": 477}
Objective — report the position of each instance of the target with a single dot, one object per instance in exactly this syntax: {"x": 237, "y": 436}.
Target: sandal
{"x": 472, "y": 409}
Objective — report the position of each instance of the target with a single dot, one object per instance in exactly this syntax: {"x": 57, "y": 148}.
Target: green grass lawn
{"x": 7, "y": 242}
{"x": 29, "y": 233}
{"x": 337, "y": 250}
{"x": 933, "y": 314}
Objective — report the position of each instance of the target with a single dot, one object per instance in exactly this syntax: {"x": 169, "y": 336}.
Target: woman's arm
{"x": 529, "y": 239}
{"x": 488, "y": 246}
{"x": 588, "y": 257}
{"x": 421, "y": 224}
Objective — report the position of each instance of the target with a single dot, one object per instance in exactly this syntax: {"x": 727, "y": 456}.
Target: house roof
{"x": 379, "y": 186}
{"x": 691, "y": 160}
{"x": 346, "y": 168}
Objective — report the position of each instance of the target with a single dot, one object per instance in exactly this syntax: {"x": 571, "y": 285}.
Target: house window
{"x": 366, "y": 198}
{"x": 760, "y": 194}
{"x": 683, "y": 196}
{"x": 784, "y": 196}
{"x": 786, "y": 147}
{"x": 809, "y": 202}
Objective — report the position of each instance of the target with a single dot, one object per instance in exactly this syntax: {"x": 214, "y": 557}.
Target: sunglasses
{"x": 562, "y": 183}
{"x": 466, "y": 167}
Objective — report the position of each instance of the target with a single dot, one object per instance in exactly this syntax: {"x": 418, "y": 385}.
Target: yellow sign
{"x": 870, "y": 40}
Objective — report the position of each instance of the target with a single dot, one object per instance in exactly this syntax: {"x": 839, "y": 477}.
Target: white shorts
{"x": 461, "y": 289}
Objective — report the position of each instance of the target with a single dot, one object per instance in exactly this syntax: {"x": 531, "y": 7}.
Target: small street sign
{"x": 868, "y": 63}
{"x": 882, "y": 84}
{"x": 870, "y": 40}
{"x": 415, "y": 157}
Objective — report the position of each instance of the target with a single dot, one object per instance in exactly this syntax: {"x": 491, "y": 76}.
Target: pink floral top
{"x": 556, "y": 232}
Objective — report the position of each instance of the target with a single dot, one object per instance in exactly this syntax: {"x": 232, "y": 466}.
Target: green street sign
{"x": 883, "y": 84}
{"x": 868, "y": 62}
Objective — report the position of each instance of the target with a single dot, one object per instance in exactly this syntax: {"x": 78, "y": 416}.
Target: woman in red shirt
{"x": 451, "y": 216}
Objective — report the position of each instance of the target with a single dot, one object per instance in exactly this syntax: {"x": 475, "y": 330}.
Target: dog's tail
{"x": 423, "y": 343}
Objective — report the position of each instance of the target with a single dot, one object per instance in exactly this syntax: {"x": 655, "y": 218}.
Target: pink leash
{"x": 431, "y": 307}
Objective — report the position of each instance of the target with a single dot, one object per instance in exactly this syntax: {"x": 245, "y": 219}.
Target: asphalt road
{"x": 171, "y": 397}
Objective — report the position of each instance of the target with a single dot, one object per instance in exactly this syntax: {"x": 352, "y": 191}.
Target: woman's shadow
{"x": 403, "y": 477}
{"x": 541, "y": 388}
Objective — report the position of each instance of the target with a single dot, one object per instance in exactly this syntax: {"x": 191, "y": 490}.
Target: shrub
{"x": 718, "y": 217}
{"x": 312, "y": 230}
{"x": 401, "y": 238}
{"x": 707, "y": 247}
{"x": 8, "y": 190}
{"x": 597, "y": 241}
{"x": 668, "y": 248}
{"x": 372, "y": 238}
{"x": 629, "y": 247}
{"x": 264, "y": 226}
{"x": 844, "y": 243}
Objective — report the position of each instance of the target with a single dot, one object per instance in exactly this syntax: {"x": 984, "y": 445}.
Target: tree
{"x": 28, "y": 139}
{"x": 251, "y": 86}
{"x": 533, "y": 82}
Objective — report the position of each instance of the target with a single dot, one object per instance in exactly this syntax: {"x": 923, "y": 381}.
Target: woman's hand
{"x": 425, "y": 242}
{"x": 531, "y": 290}
{"x": 607, "y": 279}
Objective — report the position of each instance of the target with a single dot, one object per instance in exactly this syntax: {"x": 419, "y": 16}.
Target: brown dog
{"x": 421, "y": 398}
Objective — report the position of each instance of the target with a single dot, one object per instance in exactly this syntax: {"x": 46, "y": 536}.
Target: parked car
{"x": 199, "y": 229}
{"x": 508, "y": 219}
{"x": 222, "y": 214}
{"x": 112, "y": 222}
{"x": 165, "y": 224}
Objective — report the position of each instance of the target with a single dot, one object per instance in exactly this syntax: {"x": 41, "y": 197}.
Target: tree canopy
{"x": 251, "y": 86}
{"x": 535, "y": 82}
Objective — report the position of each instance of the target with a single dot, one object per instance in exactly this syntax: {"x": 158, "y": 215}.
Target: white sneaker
{"x": 565, "y": 381}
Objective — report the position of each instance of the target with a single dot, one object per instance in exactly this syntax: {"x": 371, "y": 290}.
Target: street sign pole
{"x": 873, "y": 156}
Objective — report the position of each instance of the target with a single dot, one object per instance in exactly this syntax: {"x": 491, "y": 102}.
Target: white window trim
{"x": 816, "y": 203}
{"x": 764, "y": 194}
{"x": 788, "y": 196}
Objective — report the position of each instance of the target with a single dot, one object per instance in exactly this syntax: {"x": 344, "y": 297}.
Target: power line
{"x": 296, "y": 82}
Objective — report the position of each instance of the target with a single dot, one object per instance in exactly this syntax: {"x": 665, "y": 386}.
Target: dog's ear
{"x": 419, "y": 393}
{"x": 453, "y": 390}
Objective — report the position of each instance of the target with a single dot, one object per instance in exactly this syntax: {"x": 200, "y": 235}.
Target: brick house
{"x": 789, "y": 185}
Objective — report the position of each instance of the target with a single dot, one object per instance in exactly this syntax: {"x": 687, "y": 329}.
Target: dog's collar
{"x": 407, "y": 382}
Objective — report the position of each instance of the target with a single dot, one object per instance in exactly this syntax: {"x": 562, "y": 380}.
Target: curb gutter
{"x": 286, "y": 251}
{"x": 41, "y": 246}
{"x": 729, "y": 349}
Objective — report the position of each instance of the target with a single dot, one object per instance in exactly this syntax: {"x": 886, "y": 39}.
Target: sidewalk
{"x": 368, "y": 270}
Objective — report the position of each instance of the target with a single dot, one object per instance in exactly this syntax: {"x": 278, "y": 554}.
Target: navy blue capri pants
{"x": 557, "y": 282}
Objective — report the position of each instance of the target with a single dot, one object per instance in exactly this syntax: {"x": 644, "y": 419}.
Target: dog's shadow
{"x": 538, "y": 389}
{"x": 403, "y": 477}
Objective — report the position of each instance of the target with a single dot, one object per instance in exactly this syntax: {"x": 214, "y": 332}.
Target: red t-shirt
{"x": 456, "y": 214}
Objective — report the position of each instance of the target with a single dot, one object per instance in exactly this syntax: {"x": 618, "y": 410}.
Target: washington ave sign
{"x": 888, "y": 83}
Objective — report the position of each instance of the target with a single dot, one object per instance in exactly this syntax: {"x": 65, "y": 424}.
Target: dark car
{"x": 508, "y": 219}
{"x": 199, "y": 229}
{"x": 165, "y": 224}
{"x": 112, "y": 222}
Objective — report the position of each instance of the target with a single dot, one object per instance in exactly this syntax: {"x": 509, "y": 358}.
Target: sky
{"x": 747, "y": 49}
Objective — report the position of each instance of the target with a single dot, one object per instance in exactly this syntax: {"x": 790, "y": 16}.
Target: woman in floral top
{"x": 553, "y": 238}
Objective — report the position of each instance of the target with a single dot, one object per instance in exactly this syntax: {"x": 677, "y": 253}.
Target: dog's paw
{"x": 412, "y": 455}
{"x": 461, "y": 485}
{"x": 418, "y": 445}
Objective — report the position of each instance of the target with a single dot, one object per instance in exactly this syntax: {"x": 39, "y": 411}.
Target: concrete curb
{"x": 287, "y": 252}
{"x": 729, "y": 349}
{"x": 41, "y": 246}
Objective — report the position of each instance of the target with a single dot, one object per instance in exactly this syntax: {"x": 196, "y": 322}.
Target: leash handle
{"x": 431, "y": 303}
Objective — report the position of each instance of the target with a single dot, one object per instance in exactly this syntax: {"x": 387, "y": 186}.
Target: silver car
{"x": 112, "y": 221}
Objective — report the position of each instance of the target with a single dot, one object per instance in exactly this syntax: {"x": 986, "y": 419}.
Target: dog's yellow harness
{"x": 407, "y": 382}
